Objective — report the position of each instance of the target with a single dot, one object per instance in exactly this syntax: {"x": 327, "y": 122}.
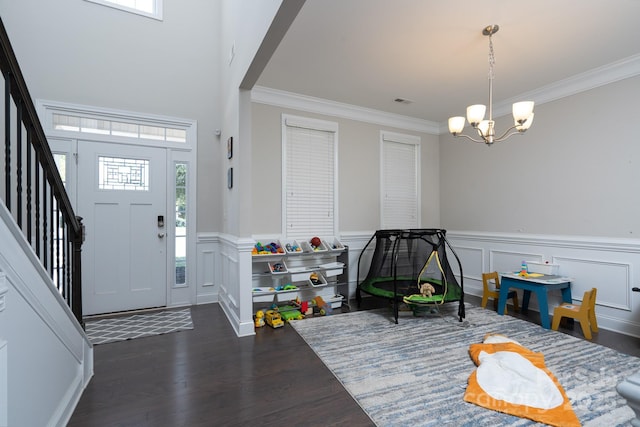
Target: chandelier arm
{"x": 468, "y": 137}
{"x": 506, "y": 134}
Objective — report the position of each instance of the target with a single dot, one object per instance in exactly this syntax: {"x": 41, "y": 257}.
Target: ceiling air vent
{"x": 403, "y": 101}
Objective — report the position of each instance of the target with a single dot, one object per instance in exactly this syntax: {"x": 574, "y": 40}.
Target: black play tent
{"x": 405, "y": 259}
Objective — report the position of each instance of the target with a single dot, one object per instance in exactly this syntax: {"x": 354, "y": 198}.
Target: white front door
{"x": 122, "y": 200}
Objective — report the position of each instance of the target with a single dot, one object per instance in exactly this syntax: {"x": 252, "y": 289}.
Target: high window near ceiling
{"x": 399, "y": 180}
{"x": 309, "y": 177}
{"x": 149, "y": 8}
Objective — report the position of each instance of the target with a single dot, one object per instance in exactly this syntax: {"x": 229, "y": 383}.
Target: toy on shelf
{"x": 278, "y": 267}
{"x": 315, "y": 279}
{"x": 293, "y": 247}
{"x": 316, "y": 244}
{"x": 259, "y": 319}
{"x": 270, "y": 249}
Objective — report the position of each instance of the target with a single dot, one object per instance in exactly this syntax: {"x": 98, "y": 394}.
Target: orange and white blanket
{"x": 513, "y": 379}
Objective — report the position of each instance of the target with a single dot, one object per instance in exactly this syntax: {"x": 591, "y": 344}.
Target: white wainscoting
{"x": 610, "y": 265}
{"x": 224, "y": 276}
{"x": 4, "y": 385}
{"x": 208, "y": 265}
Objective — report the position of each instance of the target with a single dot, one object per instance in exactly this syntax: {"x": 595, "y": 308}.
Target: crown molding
{"x": 591, "y": 79}
{"x": 279, "y": 98}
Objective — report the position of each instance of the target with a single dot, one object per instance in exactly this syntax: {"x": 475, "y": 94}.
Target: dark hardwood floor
{"x": 209, "y": 377}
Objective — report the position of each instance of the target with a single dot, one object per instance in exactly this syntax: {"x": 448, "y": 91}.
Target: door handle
{"x": 161, "y": 235}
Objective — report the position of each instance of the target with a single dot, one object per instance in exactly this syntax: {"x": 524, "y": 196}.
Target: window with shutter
{"x": 400, "y": 181}
{"x": 309, "y": 177}
{"x": 149, "y": 8}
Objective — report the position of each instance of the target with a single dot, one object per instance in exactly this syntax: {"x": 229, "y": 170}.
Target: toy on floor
{"x": 323, "y": 307}
{"x": 292, "y": 314}
{"x": 259, "y": 319}
{"x": 273, "y": 319}
{"x": 303, "y": 306}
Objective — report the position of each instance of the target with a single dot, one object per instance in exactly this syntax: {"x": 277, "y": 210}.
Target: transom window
{"x": 150, "y": 8}
{"x": 73, "y": 123}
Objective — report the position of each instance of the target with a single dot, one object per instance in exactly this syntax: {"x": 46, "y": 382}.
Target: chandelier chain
{"x": 492, "y": 59}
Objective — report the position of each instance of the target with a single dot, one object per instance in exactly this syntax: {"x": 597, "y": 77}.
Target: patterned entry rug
{"x": 108, "y": 330}
{"x": 415, "y": 373}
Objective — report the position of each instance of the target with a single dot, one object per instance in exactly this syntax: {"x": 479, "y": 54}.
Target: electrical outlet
{"x": 232, "y": 52}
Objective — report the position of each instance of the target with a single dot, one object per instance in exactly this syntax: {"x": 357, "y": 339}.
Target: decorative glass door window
{"x": 123, "y": 174}
{"x": 181, "y": 224}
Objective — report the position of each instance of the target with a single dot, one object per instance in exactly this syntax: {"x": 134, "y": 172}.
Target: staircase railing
{"x": 32, "y": 189}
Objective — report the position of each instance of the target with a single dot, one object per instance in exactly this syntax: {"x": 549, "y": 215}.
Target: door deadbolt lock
{"x": 161, "y": 235}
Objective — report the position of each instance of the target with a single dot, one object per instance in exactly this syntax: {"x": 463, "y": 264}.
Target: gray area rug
{"x": 108, "y": 330}
{"x": 415, "y": 373}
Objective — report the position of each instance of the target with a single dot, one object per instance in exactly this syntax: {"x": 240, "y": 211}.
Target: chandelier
{"x": 522, "y": 111}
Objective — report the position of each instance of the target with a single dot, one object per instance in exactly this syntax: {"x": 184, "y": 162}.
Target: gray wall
{"x": 358, "y": 172}
{"x": 575, "y": 172}
{"x": 80, "y": 52}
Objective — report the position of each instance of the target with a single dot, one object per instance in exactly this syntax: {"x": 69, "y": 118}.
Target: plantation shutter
{"x": 400, "y": 181}
{"x": 309, "y": 178}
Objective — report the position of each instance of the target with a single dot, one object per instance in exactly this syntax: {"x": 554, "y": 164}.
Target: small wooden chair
{"x": 585, "y": 313}
{"x": 495, "y": 292}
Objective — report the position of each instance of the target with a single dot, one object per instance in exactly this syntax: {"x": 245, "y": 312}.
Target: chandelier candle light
{"x": 522, "y": 111}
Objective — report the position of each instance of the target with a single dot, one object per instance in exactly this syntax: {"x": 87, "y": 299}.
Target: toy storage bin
{"x": 332, "y": 268}
{"x": 278, "y": 267}
{"x": 264, "y": 245}
{"x": 299, "y": 274}
{"x": 335, "y": 301}
{"x": 333, "y": 244}
{"x": 306, "y": 246}
{"x": 542, "y": 268}
{"x": 321, "y": 278}
{"x": 292, "y": 247}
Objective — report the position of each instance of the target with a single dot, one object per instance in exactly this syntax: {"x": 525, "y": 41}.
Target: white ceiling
{"x": 432, "y": 52}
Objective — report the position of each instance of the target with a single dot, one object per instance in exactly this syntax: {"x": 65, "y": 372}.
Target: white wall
{"x": 84, "y": 53}
{"x": 233, "y": 255}
{"x": 575, "y": 172}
